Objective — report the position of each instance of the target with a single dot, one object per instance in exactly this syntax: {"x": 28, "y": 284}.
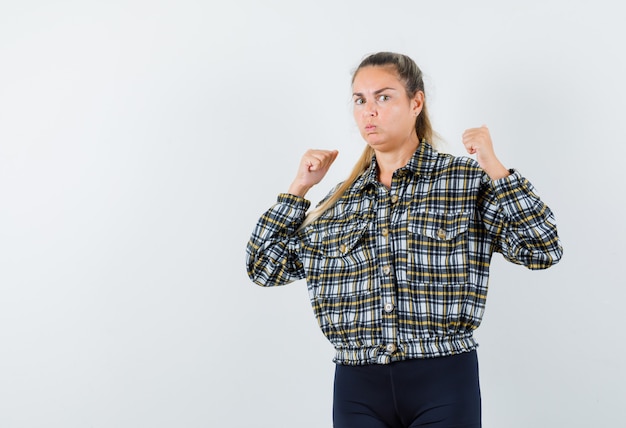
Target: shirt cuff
{"x": 297, "y": 202}
{"x": 512, "y": 180}
{"x": 514, "y": 192}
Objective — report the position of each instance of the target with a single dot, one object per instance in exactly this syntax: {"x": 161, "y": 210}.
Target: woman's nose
{"x": 370, "y": 110}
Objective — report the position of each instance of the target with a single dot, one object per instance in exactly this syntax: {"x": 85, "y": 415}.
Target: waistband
{"x": 428, "y": 347}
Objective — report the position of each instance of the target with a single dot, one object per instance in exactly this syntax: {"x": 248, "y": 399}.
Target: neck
{"x": 389, "y": 162}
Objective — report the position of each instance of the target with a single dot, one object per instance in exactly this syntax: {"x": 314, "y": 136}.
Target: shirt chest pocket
{"x": 438, "y": 247}
{"x": 346, "y": 267}
{"x": 342, "y": 240}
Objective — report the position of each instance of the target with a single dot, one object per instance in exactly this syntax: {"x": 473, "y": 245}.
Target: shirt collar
{"x": 421, "y": 163}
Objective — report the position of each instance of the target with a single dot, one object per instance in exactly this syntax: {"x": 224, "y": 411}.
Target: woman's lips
{"x": 370, "y": 128}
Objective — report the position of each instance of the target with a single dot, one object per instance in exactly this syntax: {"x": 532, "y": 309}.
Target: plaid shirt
{"x": 402, "y": 273}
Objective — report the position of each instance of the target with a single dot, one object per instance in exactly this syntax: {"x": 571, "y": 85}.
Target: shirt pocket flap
{"x": 340, "y": 241}
{"x": 439, "y": 226}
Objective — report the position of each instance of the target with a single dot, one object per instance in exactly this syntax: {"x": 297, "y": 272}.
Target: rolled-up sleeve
{"x": 271, "y": 253}
{"x": 521, "y": 224}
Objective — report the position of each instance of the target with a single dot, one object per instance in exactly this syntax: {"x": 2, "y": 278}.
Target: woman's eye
{"x": 359, "y": 101}
{"x": 383, "y": 98}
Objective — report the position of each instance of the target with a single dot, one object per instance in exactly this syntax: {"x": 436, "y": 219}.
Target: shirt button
{"x": 386, "y": 270}
{"x": 385, "y": 231}
{"x": 391, "y": 348}
{"x": 388, "y": 307}
{"x": 441, "y": 233}
{"x": 394, "y": 199}
{"x": 343, "y": 248}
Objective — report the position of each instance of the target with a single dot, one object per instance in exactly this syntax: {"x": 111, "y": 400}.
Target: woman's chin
{"x": 374, "y": 140}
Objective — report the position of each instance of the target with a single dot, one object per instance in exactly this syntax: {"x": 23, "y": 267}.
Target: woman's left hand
{"x": 478, "y": 141}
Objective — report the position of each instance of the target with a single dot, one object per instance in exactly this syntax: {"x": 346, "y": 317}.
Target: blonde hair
{"x": 411, "y": 76}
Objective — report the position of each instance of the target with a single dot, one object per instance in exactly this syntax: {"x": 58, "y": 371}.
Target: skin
{"x": 386, "y": 116}
{"x": 478, "y": 141}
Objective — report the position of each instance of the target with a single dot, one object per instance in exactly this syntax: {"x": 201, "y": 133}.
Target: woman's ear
{"x": 417, "y": 103}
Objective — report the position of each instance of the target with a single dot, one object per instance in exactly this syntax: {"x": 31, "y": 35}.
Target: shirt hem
{"x": 431, "y": 347}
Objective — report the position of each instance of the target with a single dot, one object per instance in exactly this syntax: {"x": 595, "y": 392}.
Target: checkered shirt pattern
{"x": 402, "y": 273}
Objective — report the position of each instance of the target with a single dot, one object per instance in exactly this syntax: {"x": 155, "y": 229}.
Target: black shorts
{"x": 441, "y": 392}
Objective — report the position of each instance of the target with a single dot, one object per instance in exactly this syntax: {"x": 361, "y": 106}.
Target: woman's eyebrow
{"x": 359, "y": 94}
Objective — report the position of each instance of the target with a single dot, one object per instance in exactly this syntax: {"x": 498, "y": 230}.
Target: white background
{"x": 141, "y": 140}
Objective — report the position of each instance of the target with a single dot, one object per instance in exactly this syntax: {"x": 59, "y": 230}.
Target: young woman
{"x": 396, "y": 258}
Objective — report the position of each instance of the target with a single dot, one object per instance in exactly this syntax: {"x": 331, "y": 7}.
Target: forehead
{"x": 372, "y": 78}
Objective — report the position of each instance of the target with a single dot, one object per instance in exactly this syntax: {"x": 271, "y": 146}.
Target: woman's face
{"x": 382, "y": 110}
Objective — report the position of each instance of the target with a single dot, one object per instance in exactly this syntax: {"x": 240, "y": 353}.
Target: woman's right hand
{"x": 313, "y": 167}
